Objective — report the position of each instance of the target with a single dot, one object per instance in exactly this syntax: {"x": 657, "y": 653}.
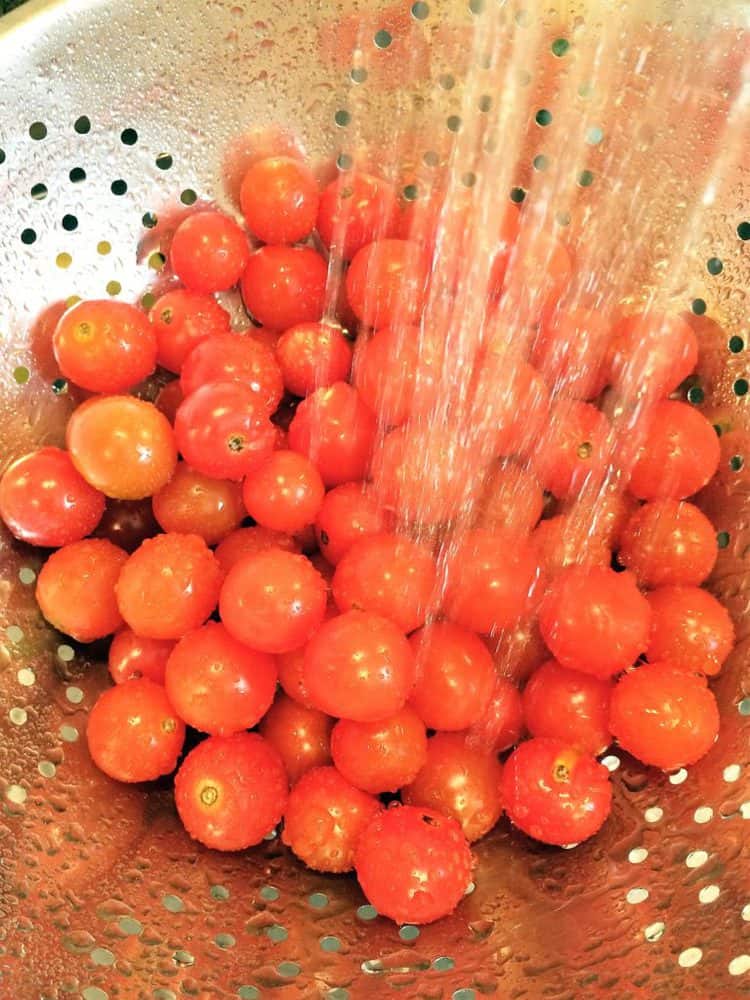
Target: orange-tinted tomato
{"x": 689, "y": 629}
{"x": 679, "y": 454}
{"x": 131, "y": 656}
{"x": 301, "y": 736}
{"x": 669, "y": 542}
{"x": 195, "y": 504}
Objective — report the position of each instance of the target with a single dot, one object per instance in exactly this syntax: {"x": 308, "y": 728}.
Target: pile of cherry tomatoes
{"x": 286, "y": 591}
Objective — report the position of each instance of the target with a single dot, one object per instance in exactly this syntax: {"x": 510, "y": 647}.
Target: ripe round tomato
{"x": 651, "y": 354}
{"x": 386, "y": 282}
{"x": 689, "y": 629}
{"x": 223, "y": 430}
{"x": 567, "y": 540}
{"x": 324, "y": 819}
{"x": 678, "y": 456}
{"x": 570, "y": 351}
{"x": 500, "y": 724}
{"x": 283, "y": 286}
{"x": 356, "y": 209}
{"x": 336, "y": 431}
{"x": 380, "y": 756}
{"x": 233, "y": 357}
{"x": 428, "y": 869}
{"x": 595, "y": 620}
{"x": 538, "y": 271}
{"x": 75, "y": 588}
{"x": 569, "y": 706}
{"x": 169, "y": 398}
{"x": 455, "y": 676}
{"x": 195, "y": 504}
{"x": 512, "y": 500}
{"x": 602, "y": 513}
{"x": 574, "y": 450}
{"x": 122, "y": 446}
{"x": 389, "y": 575}
{"x": 169, "y": 586}
{"x": 182, "y": 320}
{"x": 133, "y": 733}
{"x": 291, "y": 667}
{"x": 669, "y": 542}
{"x": 358, "y": 666}
{"x": 664, "y": 716}
{"x": 279, "y": 199}
{"x": 555, "y": 794}
{"x": 313, "y": 356}
{"x": 284, "y": 493}
{"x": 273, "y": 600}
{"x": 105, "y": 346}
{"x": 460, "y": 782}
{"x": 45, "y": 501}
{"x": 230, "y": 791}
{"x": 398, "y": 373}
{"x": 301, "y": 736}
{"x": 209, "y": 252}
{"x": 131, "y": 657}
{"x": 248, "y": 541}
{"x": 127, "y": 523}
{"x": 348, "y": 513}
{"x": 510, "y": 409}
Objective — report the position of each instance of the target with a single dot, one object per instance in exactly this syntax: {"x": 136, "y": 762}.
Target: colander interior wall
{"x": 114, "y": 119}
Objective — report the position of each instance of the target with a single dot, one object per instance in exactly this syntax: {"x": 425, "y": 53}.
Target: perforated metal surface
{"x": 628, "y": 138}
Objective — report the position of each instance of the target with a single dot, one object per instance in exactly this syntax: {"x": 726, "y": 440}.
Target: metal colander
{"x": 624, "y": 129}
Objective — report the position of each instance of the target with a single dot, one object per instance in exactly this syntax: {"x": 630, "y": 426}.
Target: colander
{"x": 624, "y": 129}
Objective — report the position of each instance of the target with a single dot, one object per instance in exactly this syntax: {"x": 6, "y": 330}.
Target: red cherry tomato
{"x": 122, "y": 446}
{"x": 223, "y": 430}
{"x": 75, "y": 589}
{"x": 284, "y": 493}
{"x": 512, "y": 500}
{"x": 356, "y": 209}
{"x": 602, "y": 514}
{"x": 574, "y": 450}
{"x": 232, "y": 357}
{"x": 518, "y": 651}
{"x": 133, "y": 733}
{"x": 283, "y": 286}
{"x": 437, "y": 213}
{"x": 169, "y": 398}
{"x": 398, "y": 373}
{"x": 651, "y": 354}
{"x": 291, "y": 668}
{"x": 429, "y": 864}
{"x": 380, "y": 756}
{"x": 273, "y": 600}
{"x": 511, "y": 404}
{"x": 45, "y": 501}
{"x": 595, "y": 620}
{"x": 386, "y": 282}
{"x": 195, "y": 504}
{"x": 689, "y": 629}
{"x": 500, "y": 724}
{"x": 336, "y": 431}
{"x": 570, "y": 351}
{"x": 669, "y": 542}
{"x": 279, "y": 199}
{"x": 248, "y": 541}
{"x": 459, "y": 782}
{"x": 538, "y": 271}
{"x": 182, "y": 320}
{"x": 664, "y": 716}
{"x": 230, "y": 791}
{"x": 313, "y": 356}
{"x": 209, "y": 252}
{"x": 131, "y": 657}
{"x": 169, "y": 586}
{"x": 127, "y": 523}
{"x": 105, "y": 346}
{"x": 358, "y": 666}
{"x": 569, "y": 706}
{"x": 679, "y": 454}
{"x": 349, "y": 513}
{"x": 555, "y": 794}
{"x": 301, "y": 736}
{"x": 567, "y": 540}
{"x": 455, "y": 676}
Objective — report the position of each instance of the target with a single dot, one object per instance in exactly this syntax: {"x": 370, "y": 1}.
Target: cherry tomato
{"x": 569, "y": 706}
{"x": 439, "y": 213}
{"x": 169, "y": 398}
{"x": 133, "y": 733}
{"x": 230, "y": 791}
{"x": 669, "y": 542}
{"x": 248, "y": 541}
{"x": 428, "y": 869}
{"x": 349, "y": 513}
{"x": 567, "y": 540}
{"x": 380, "y": 756}
{"x": 182, "y": 320}
{"x": 689, "y": 629}
{"x": 651, "y": 354}
{"x": 679, "y": 454}
{"x": 313, "y": 356}
{"x": 500, "y": 724}
{"x": 574, "y": 450}
{"x": 45, "y": 501}
{"x": 284, "y": 493}
{"x": 595, "y": 620}
{"x": 602, "y": 513}
{"x": 232, "y": 357}
{"x": 273, "y": 600}
{"x": 324, "y": 819}
{"x": 300, "y": 735}
{"x": 398, "y": 373}
{"x": 223, "y": 430}
{"x": 555, "y": 794}
{"x": 358, "y": 666}
{"x": 512, "y": 500}
{"x": 127, "y": 523}
{"x": 389, "y": 575}
{"x": 518, "y": 651}
{"x": 131, "y": 657}
{"x": 279, "y": 199}
{"x": 169, "y": 586}
{"x": 209, "y": 252}
{"x": 356, "y": 209}
{"x": 291, "y": 668}
{"x": 459, "y": 782}
{"x": 511, "y": 403}
{"x": 455, "y": 676}
{"x": 195, "y": 504}
{"x": 75, "y": 589}
{"x": 386, "y": 282}
{"x": 105, "y": 346}
{"x": 335, "y": 429}
{"x": 664, "y": 716}
{"x": 283, "y": 286}
{"x": 538, "y": 271}
{"x": 570, "y": 351}
{"x": 122, "y": 446}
